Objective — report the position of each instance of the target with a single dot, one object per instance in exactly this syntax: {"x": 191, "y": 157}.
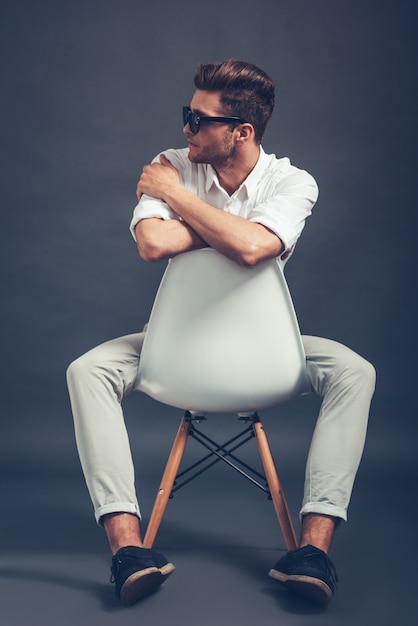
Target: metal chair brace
{"x": 222, "y": 452}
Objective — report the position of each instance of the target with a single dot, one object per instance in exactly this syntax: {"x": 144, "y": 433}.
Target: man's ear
{"x": 246, "y": 131}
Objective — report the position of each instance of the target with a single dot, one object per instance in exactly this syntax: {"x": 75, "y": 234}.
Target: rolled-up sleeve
{"x": 285, "y": 205}
{"x": 152, "y": 207}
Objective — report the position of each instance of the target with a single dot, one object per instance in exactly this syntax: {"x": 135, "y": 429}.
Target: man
{"x": 222, "y": 191}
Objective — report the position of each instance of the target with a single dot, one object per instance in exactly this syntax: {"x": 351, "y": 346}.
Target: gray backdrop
{"x": 91, "y": 90}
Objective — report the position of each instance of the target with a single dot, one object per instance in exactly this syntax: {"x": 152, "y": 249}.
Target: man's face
{"x": 215, "y": 142}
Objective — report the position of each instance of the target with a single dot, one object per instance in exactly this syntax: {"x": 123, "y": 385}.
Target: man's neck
{"x": 232, "y": 174}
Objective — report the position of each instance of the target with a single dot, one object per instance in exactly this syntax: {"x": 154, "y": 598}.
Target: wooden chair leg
{"x": 167, "y": 482}
{"x": 276, "y": 491}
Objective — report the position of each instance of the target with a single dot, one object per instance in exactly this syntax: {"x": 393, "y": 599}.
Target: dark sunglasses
{"x": 194, "y": 119}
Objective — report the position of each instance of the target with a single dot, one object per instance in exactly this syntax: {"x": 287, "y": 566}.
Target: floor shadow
{"x": 104, "y": 594}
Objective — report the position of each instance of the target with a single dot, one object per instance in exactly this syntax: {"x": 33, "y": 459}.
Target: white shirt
{"x": 275, "y": 193}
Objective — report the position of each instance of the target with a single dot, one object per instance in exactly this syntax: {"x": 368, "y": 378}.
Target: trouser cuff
{"x": 116, "y": 507}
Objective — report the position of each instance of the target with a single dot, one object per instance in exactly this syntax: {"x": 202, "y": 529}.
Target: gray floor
{"x": 220, "y": 532}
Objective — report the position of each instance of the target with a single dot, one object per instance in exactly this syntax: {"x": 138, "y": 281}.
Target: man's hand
{"x": 156, "y": 178}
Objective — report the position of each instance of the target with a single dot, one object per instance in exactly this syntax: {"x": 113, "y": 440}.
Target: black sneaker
{"x": 138, "y": 572}
{"x": 308, "y": 572}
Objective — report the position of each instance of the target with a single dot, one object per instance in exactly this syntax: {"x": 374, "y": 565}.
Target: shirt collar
{"x": 252, "y": 180}
{"x": 211, "y": 178}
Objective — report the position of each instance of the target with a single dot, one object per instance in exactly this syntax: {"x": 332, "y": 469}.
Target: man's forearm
{"x": 243, "y": 241}
{"x": 159, "y": 239}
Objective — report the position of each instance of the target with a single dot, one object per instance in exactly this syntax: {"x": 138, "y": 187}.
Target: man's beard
{"x": 219, "y": 157}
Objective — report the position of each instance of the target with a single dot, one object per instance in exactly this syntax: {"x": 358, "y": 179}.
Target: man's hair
{"x": 246, "y": 91}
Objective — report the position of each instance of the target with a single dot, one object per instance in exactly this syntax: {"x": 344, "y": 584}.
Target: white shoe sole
{"x": 313, "y": 589}
{"x": 141, "y": 584}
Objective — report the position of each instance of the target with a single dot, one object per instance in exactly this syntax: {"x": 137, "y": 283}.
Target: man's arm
{"x": 159, "y": 239}
{"x": 243, "y": 241}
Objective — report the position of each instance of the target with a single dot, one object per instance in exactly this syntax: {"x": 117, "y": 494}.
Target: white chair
{"x": 222, "y": 338}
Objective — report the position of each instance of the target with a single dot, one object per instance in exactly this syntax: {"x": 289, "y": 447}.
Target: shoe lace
{"x": 114, "y": 569}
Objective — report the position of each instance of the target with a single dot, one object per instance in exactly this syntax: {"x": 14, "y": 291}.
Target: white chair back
{"x": 222, "y": 337}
